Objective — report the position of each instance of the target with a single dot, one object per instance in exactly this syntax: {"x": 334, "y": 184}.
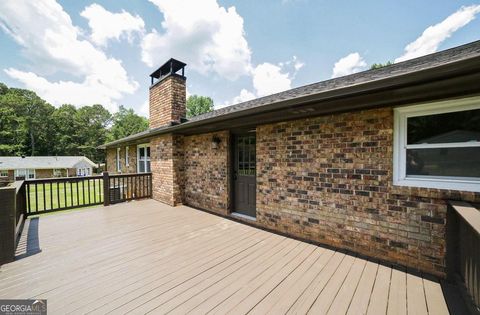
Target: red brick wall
{"x": 167, "y": 101}
{"x": 167, "y": 169}
{"x": 207, "y": 172}
{"x": 329, "y": 179}
{"x": 132, "y": 160}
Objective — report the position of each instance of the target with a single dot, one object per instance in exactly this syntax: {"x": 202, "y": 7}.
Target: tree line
{"x": 32, "y": 127}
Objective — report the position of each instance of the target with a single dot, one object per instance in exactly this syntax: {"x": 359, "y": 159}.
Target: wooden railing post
{"x": 7, "y": 224}
{"x": 106, "y": 189}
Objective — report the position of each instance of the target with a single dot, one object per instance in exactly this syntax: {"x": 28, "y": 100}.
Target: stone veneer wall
{"x": 329, "y": 179}
{"x": 166, "y": 155}
{"x": 207, "y": 172}
{"x": 132, "y": 160}
{"x": 167, "y": 101}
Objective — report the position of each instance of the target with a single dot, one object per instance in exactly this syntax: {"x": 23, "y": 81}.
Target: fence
{"x": 463, "y": 250}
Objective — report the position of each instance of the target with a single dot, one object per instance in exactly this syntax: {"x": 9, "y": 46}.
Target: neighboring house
{"x": 337, "y": 162}
{"x": 31, "y": 167}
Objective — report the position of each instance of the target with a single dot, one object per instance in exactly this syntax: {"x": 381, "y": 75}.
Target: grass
{"x": 51, "y": 196}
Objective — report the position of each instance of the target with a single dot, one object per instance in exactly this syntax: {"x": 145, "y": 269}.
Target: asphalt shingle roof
{"x": 405, "y": 68}
{"x": 41, "y": 162}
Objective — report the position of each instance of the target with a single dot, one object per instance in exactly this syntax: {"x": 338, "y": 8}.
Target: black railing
{"x": 463, "y": 250}
{"x": 54, "y": 194}
{"x": 126, "y": 187}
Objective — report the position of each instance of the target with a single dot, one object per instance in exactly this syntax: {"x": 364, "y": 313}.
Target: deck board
{"x": 146, "y": 257}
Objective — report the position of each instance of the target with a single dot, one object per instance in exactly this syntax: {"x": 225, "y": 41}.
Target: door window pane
{"x": 246, "y": 155}
{"x": 457, "y": 162}
{"x": 462, "y": 126}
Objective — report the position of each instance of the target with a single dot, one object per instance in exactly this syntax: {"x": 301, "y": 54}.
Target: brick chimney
{"x": 168, "y": 94}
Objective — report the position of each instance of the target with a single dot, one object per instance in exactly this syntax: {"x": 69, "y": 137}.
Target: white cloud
{"x": 54, "y": 45}
{"x": 434, "y": 35}
{"x": 210, "y": 38}
{"x": 106, "y": 25}
{"x": 145, "y": 109}
{"x": 244, "y": 96}
{"x": 349, "y": 64}
{"x": 269, "y": 79}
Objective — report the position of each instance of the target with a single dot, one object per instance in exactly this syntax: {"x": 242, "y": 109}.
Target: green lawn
{"x": 51, "y": 196}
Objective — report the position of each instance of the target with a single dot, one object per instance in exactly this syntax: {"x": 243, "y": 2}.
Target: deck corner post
{"x": 7, "y": 224}
{"x": 106, "y": 189}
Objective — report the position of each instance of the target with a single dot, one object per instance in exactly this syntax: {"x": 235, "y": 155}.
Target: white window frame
{"x": 117, "y": 161}
{"x": 400, "y": 146}
{"x": 145, "y": 145}
{"x": 3, "y": 173}
{"x": 26, "y": 172}
{"x": 126, "y": 156}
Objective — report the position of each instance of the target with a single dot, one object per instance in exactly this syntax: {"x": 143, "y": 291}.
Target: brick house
{"x": 364, "y": 162}
{"x": 31, "y": 167}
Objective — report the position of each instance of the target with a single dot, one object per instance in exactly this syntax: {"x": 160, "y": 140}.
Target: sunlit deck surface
{"x": 144, "y": 256}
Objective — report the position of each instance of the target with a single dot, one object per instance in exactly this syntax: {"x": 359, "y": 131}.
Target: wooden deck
{"x": 144, "y": 256}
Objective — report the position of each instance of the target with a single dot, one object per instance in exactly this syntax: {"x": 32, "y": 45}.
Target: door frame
{"x": 231, "y": 166}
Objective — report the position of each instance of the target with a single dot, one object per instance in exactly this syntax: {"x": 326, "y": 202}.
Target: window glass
{"x": 144, "y": 159}
{"x": 463, "y": 126}
{"x": 4, "y": 173}
{"x": 246, "y": 155}
{"x": 148, "y": 166}
{"x": 458, "y": 162}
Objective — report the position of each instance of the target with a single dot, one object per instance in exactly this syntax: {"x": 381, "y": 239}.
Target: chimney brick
{"x": 168, "y": 101}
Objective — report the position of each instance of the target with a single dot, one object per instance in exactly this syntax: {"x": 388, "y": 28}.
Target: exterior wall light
{"x": 216, "y": 142}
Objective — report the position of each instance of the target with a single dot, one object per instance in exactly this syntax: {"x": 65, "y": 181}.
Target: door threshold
{"x": 243, "y": 216}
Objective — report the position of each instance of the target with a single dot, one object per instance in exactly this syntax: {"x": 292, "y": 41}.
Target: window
{"x": 437, "y": 145}
{"x": 26, "y": 173}
{"x": 117, "y": 161}
{"x": 143, "y": 155}
{"x": 57, "y": 172}
{"x": 126, "y": 156}
{"x": 4, "y": 173}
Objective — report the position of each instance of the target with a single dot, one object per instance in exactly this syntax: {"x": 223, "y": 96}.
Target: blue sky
{"x": 84, "y": 52}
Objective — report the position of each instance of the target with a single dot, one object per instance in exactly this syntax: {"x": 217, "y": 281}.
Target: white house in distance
{"x": 31, "y": 167}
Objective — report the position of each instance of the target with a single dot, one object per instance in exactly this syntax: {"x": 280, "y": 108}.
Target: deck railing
{"x": 12, "y": 216}
{"x": 55, "y": 194}
{"x": 463, "y": 250}
{"x": 125, "y": 187}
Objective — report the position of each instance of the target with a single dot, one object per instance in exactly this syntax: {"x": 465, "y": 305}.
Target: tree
{"x": 67, "y": 140}
{"x": 12, "y": 132}
{"x": 31, "y": 126}
{"x": 92, "y": 122}
{"x": 381, "y": 65}
{"x": 33, "y": 120}
{"x": 126, "y": 123}
{"x": 197, "y": 105}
